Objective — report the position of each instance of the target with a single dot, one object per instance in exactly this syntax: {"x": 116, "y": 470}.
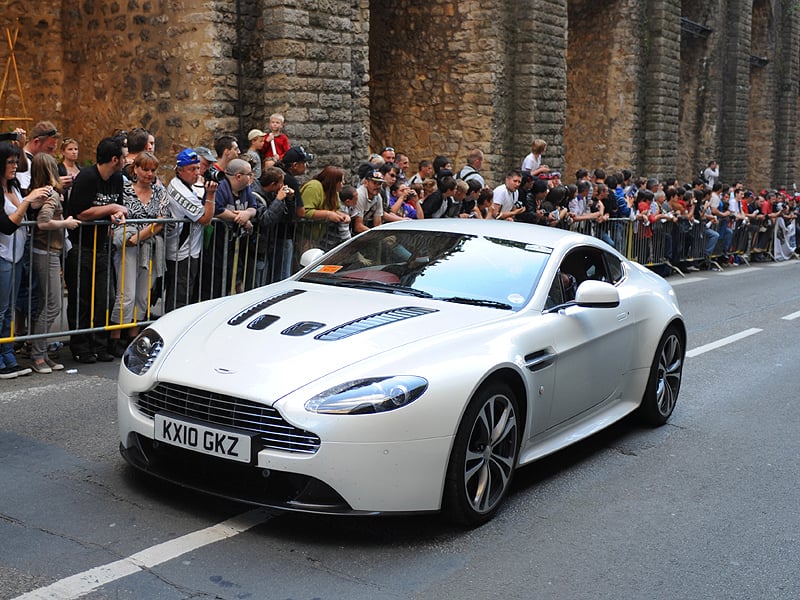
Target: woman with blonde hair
{"x": 139, "y": 257}
{"x": 49, "y": 239}
{"x": 533, "y": 162}
{"x": 68, "y": 168}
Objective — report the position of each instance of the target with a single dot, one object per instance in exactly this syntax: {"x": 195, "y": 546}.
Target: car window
{"x": 615, "y": 270}
{"x": 586, "y": 263}
{"x": 440, "y": 265}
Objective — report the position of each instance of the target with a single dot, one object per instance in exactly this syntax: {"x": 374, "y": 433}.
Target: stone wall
{"x": 700, "y": 87}
{"x": 604, "y": 97}
{"x": 438, "y": 78}
{"x": 762, "y": 100}
{"x": 613, "y": 84}
{"x": 661, "y": 80}
{"x": 540, "y": 76}
{"x": 316, "y": 70}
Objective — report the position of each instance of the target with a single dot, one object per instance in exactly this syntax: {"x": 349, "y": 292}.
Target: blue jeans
{"x": 10, "y": 280}
{"x": 711, "y": 237}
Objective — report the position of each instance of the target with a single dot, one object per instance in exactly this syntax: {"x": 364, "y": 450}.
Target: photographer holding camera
{"x": 227, "y": 149}
{"x": 506, "y": 203}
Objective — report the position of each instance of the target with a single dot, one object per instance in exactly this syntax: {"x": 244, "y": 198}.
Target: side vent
{"x": 258, "y": 307}
{"x": 372, "y": 321}
{"x": 302, "y": 328}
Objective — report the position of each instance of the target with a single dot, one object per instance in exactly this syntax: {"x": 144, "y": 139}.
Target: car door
{"x": 592, "y": 345}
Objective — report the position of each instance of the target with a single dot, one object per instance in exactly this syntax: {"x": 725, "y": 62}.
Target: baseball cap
{"x": 186, "y": 157}
{"x": 375, "y": 175}
{"x": 297, "y": 154}
{"x": 206, "y": 153}
{"x": 255, "y": 133}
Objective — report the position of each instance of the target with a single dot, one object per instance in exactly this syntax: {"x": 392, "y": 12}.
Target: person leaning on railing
{"x": 12, "y": 245}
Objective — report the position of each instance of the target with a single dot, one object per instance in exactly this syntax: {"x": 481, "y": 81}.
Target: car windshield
{"x": 453, "y": 267}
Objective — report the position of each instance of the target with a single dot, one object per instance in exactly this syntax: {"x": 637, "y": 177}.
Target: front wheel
{"x": 484, "y": 457}
{"x": 664, "y": 382}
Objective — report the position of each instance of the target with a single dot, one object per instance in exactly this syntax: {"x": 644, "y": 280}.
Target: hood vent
{"x": 262, "y": 322}
{"x": 258, "y": 307}
{"x": 302, "y": 328}
{"x": 372, "y": 321}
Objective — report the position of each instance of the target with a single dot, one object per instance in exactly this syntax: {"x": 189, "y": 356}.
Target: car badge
{"x": 224, "y": 371}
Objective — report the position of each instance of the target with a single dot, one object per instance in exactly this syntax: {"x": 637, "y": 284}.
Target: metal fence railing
{"x": 113, "y": 285}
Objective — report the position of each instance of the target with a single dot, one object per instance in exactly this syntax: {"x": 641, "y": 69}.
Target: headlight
{"x": 368, "y": 396}
{"x": 139, "y": 356}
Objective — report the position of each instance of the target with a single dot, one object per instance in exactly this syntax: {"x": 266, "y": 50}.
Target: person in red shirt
{"x": 276, "y": 143}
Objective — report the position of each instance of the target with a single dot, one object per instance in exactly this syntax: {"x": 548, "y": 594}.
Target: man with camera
{"x": 185, "y": 240}
{"x": 227, "y": 148}
{"x": 506, "y": 203}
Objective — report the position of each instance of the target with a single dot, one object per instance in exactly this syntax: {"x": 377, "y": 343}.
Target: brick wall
{"x": 613, "y": 84}
{"x": 605, "y": 59}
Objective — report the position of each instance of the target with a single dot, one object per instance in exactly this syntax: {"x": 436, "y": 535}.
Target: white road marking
{"x": 689, "y": 279}
{"x": 723, "y": 342}
{"x": 81, "y": 584}
{"x": 792, "y": 316}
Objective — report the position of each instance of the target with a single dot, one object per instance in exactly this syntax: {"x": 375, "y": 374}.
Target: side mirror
{"x": 309, "y": 256}
{"x": 597, "y": 294}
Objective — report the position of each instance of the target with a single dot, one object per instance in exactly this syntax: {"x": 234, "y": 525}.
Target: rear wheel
{"x": 484, "y": 456}
{"x": 664, "y": 383}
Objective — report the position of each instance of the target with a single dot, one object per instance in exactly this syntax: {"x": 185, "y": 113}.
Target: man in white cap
{"x": 253, "y": 155}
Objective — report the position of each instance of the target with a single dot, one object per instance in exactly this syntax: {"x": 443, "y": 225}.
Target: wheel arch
{"x": 514, "y": 380}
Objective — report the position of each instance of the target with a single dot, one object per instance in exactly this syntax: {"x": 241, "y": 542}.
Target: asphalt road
{"x": 704, "y": 507}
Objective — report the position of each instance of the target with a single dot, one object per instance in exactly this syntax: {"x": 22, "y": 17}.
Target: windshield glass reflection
{"x": 456, "y": 267}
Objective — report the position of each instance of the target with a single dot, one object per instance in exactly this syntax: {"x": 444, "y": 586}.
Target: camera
{"x": 213, "y": 174}
{"x": 9, "y": 137}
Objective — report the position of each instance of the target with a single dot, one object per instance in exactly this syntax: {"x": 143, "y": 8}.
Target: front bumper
{"x": 340, "y": 478}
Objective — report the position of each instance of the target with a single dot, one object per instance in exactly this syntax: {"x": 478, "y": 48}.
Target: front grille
{"x": 218, "y": 409}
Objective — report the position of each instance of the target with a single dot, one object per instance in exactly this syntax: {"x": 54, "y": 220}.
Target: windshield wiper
{"x": 478, "y": 302}
{"x": 368, "y": 284}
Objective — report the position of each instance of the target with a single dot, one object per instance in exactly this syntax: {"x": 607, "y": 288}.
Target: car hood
{"x": 269, "y": 342}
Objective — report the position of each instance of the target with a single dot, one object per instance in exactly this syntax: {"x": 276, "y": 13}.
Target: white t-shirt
{"x": 505, "y": 198}
{"x": 530, "y": 163}
{"x": 184, "y": 204}
{"x": 12, "y": 246}
{"x": 25, "y": 177}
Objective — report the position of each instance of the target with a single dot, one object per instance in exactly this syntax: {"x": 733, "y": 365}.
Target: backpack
{"x": 470, "y": 174}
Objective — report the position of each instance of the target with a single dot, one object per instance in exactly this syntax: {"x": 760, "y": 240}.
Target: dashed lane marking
{"x": 723, "y": 342}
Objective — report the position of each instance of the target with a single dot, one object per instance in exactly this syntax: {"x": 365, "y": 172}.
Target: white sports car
{"x": 413, "y": 368}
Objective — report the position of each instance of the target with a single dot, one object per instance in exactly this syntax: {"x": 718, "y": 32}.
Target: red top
{"x": 281, "y": 142}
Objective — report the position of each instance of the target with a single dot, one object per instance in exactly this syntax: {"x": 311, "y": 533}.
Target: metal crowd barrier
{"x": 230, "y": 262}
{"x": 679, "y": 243}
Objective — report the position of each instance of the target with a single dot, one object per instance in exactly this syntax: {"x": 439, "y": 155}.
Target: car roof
{"x": 549, "y": 237}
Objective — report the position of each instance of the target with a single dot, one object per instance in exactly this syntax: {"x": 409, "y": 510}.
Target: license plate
{"x": 215, "y": 441}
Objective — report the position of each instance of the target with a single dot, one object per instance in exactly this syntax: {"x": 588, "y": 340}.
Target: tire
{"x": 483, "y": 458}
{"x": 664, "y": 383}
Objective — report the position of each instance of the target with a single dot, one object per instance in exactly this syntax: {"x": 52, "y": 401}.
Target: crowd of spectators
{"x": 226, "y": 221}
